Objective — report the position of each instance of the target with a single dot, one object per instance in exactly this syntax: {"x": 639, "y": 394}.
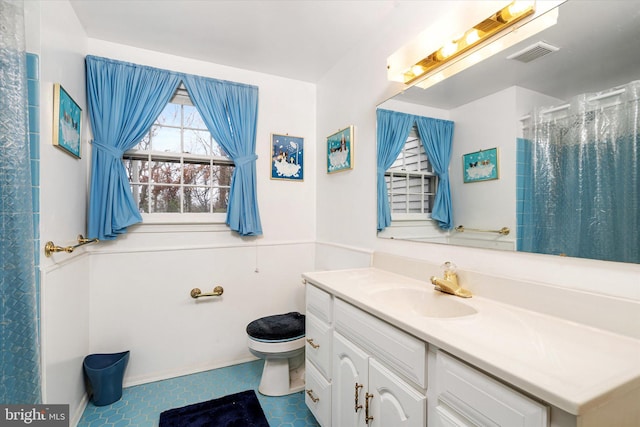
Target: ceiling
{"x": 299, "y": 39}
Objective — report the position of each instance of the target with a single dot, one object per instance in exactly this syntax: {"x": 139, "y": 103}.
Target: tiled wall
{"x": 33, "y": 97}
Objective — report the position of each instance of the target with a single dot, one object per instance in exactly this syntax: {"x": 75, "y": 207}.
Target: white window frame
{"x": 180, "y": 97}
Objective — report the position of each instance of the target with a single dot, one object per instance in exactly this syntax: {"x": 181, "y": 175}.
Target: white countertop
{"x": 569, "y": 365}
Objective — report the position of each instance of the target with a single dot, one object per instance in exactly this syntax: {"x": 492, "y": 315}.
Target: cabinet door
{"x": 394, "y": 402}
{"x": 349, "y": 383}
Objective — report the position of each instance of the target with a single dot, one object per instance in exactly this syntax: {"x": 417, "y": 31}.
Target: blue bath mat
{"x": 235, "y": 410}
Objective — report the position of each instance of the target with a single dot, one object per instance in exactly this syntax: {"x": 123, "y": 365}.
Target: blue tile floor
{"x": 141, "y": 405}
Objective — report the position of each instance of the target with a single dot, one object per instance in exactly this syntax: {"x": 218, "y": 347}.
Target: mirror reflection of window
{"x": 411, "y": 182}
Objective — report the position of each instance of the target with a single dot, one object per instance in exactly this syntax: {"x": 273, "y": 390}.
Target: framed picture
{"x": 66, "y": 121}
{"x": 287, "y": 157}
{"x": 480, "y": 166}
{"x": 340, "y": 150}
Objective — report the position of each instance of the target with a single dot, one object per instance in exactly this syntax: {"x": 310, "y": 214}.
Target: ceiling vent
{"x": 533, "y": 52}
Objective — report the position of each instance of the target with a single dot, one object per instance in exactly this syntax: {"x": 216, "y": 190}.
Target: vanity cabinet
{"x": 363, "y": 371}
{"x": 501, "y": 365}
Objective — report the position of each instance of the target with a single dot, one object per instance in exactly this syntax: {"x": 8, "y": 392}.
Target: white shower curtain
{"x": 19, "y": 343}
{"x": 582, "y": 178}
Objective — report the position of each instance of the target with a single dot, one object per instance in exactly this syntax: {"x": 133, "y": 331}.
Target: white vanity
{"x": 384, "y": 349}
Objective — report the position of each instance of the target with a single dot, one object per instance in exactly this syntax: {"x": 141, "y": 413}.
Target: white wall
{"x": 140, "y": 302}
{"x": 347, "y": 201}
{"x": 140, "y": 283}
{"x": 489, "y": 122}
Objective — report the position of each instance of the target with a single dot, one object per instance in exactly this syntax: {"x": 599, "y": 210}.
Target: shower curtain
{"x": 19, "y": 346}
{"x": 581, "y": 178}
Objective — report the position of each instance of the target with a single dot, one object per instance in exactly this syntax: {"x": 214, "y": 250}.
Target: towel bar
{"x": 503, "y": 231}
{"x": 50, "y": 247}
{"x": 197, "y": 293}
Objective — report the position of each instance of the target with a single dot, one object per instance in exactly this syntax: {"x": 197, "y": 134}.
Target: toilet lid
{"x": 277, "y": 328}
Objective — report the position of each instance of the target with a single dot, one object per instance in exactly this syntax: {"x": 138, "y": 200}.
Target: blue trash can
{"x": 103, "y": 374}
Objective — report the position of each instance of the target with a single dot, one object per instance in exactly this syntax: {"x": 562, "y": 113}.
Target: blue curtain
{"x": 124, "y": 101}
{"x": 393, "y": 130}
{"x": 581, "y": 179}
{"x": 436, "y": 136}
{"x": 19, "y": 341}
{"x": 230, "y": 111}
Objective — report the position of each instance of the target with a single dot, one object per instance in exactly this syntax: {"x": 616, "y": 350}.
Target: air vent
{"x": 533, "y": 52}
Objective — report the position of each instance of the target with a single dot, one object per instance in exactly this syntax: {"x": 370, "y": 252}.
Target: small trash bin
{"x": 103, "y": 374}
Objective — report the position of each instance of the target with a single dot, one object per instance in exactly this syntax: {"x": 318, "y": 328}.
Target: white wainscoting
{"x": 64, "y": 325}
{"x": 140, "y": 302}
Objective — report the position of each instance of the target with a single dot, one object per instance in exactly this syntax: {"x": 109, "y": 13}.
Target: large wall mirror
{"x": 497, "y": 104}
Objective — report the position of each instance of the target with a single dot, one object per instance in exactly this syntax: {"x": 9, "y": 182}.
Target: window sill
{"x": 413, "y": 229}
{"x": 170, "y": 223}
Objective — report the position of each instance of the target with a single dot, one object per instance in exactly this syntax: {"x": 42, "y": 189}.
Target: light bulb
{"x": 472, "y": 37}
{"x": 417, "y": 70}
{"x": 447, "y": 50}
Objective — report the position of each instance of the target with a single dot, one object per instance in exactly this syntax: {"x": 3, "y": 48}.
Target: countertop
{"x": 569, "y": 365}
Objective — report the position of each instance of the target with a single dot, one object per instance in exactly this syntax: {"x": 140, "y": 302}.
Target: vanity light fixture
{"x": 502, "y": 19}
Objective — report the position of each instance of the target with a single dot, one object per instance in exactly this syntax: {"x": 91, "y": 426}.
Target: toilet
{"x": 279, "y": 340}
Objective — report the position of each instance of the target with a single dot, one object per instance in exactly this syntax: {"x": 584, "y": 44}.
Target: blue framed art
{"x": 67, "y": 116}
{"x": 340, "y": 150}
{"x": 480, "y": 166}
{"x": 287, "y": 157}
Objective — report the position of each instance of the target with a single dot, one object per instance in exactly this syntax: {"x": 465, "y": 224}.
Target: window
{"x": 411, "y": 183}
{"x": 178, "y": 168}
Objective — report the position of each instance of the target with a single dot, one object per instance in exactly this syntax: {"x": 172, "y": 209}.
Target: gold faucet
{"x": 450, "y": 284}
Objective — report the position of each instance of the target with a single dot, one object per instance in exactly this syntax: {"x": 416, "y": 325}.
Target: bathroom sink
{"x": 425, "y": 302}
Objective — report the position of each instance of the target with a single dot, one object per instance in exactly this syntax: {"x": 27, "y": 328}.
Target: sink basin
{"x": 426, "y": 302}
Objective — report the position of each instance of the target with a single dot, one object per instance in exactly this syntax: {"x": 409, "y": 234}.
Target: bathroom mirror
{"x": 597, "y": 51}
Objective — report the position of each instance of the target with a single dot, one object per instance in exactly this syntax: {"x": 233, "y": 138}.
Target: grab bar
{"x": 503, "y": 231}
{"x": 197, "y": 293}
{"x": 50, "y": 247}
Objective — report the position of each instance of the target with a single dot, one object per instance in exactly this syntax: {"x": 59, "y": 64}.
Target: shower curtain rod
{"x": 614, "y": 92}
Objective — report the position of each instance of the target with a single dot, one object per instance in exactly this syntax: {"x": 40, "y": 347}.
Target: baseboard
{"x": 77, "y": 415}
{"x": 182, "y": 372}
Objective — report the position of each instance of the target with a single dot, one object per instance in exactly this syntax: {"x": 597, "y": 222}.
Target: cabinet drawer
{"x": 319, "y": 303}
{"x": 318, "y": 395}
{"x": 405, "y": 354}
{"x": 482, "y": 399}
{"x": 319, "y": 344}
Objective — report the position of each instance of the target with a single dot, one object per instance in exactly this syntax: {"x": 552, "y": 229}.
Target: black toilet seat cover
{"x": 280, "y": 327}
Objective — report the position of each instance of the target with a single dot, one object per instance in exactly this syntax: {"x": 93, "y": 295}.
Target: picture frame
{"x": 287, "y": 157}
{"x": 480, "y": 166}
{"x": 67, "y": 122}
{"x": 340, "y": 150}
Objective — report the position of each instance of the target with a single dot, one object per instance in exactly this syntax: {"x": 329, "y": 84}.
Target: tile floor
{"x": 141, "y": 405}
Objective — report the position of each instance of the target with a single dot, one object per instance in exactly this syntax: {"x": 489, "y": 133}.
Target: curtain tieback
{"x": 107, "y": 149}
{"x": 381, "y": 171}
{"x": 243, "y": 160}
